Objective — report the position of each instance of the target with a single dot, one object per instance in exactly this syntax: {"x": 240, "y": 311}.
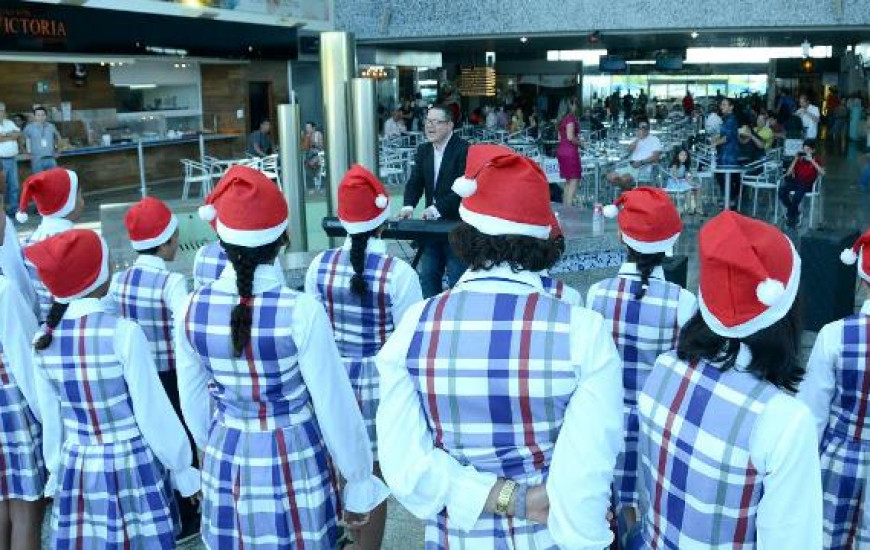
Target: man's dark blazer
{"x": 423, "y": 175}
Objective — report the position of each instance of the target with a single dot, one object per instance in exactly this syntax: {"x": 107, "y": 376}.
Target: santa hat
{"x": 649, "y": 221}
{"x": 248, "y": 208}
{"x": 55, "y": 192}
{"x": 71, "y": 264}
{"x": 853, "y": 255}
{"x": 363, "y": 204}
{"x": 504, "y": 193}
{"x": 150, "y": 223}
{"x": 749, "y": 275}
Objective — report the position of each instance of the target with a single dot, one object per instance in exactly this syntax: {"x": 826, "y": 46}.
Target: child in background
{"x": 799, "y": 179}
{"x": 680, "y": 179}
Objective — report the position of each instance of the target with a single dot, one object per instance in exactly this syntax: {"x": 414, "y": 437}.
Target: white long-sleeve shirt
{"x": 403, "y": 288}
{"x": 17, "y": 327}
{"x": 686, "y": 307}
{"x": 819, "y": 384}
{"x": 159, "y": 425}
{"x": 324, "y": 374}
{"x": 174, "y": 293}
{"x": 426, "y": 479}
{"x": 49, "y": 227}
{"x": 12, "y": 265}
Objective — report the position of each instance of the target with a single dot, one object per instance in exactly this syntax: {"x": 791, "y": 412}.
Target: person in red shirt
{"x": 688, "y": 104}
{"x": 799, "y": 179}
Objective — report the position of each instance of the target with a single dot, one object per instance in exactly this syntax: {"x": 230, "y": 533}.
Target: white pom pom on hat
{"x": 21, "y": 216}
{"x": 381, "y": 201}
{"x": 207, "y": 212}
{"x": 848, "y": 256}
{"x": 769, "y": 291}
{"x": 610, "y": 211}
{"x": 464, "y": 187}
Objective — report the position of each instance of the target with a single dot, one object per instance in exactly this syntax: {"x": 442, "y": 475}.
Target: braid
{"x": 245, "y": 261}
{"x": 55, "y": 314}
{"x": 646, "y": 263}
{"x": 358, "y": 244}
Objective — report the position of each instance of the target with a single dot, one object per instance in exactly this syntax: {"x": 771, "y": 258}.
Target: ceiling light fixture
{"x": 694, "y": 34}
{"x": 524, "y": 39}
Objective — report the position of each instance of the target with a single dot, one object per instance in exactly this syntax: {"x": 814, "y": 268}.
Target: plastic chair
{"x": 269, "y": 166}
{"x": 196, "y": 173}
{"x": 768, "y": 180}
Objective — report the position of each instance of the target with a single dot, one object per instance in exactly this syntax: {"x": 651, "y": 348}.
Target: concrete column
{"x": 337, "y": 67}
{"x": 365, "y": 122}
{"x": 292, "y": 182}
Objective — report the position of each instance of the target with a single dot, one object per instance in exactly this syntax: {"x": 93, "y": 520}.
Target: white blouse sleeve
{"x": 335, "y": 405}
{"x": 425, "y": 479}
{"x": 311, "y": 277}
{"x": 197, "y": 259}
{"x": 52, "y": 425}
{"x": 17, "y": 327}
{"x": 686, "y": 307}
{"x": 590, "y": 295}
{"x": 157, "y": 421}
{"x": 817, "y": 388}
{"x": 12, "y": 265}
{"x": 193, "y": 380}
{"x": 784, "y": 449}
{"x": 175, "y": 294}
{"x": 579, "y": 489}
{"x": 405, "y": 290}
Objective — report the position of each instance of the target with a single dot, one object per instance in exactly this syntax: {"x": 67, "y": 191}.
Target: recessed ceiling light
{"x": 524, "y": 39}
{"x": 694, "y": 34}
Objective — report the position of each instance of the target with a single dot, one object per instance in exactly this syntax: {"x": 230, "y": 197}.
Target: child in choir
{"x": 58, "y": 198}
{"x": 554, "y": 286}
{"x": 644, "y": 313}
{"x": 728, "y": 454}
{"x": 837, "y": 390}
{"x": 366, "y": 292}
{"x": 499, "y": 421}
{"x": 106, "y": 419}
{"x": 150, "y": 295}
{"x": 22, "y": 470}
{"x": 283, "y": 401}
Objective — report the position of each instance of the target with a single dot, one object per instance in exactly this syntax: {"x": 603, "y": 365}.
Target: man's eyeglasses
{"x": 433, "y": 122}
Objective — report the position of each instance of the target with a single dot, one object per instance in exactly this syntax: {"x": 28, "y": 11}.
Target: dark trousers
{"x": 187, "y": 509}
{"x": 437, "y": 258}
{"x": 791, "y": 201}
{"x": 735, "y": 186}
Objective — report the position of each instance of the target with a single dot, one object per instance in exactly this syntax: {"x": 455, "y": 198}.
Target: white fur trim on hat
{"x": 354, "y": 228}
{"x": 381, "y": 201}
{"x": 491, "y": 225}
{"x": 207, "y": 212}
{"x": 610, "y": 211}
{"x": 101, "y": 278}
{"x": 464, "y": 187}
{"x": 655, "y": 247}
{"x": 71, "y": 198}
{"x": 164, "y": 236}
{"x": 250, "y": 238}
{"x": 21, "y": 217}
{"x": 848, "y": 256}
{"x": 776, "y": 311}
{"x": 768, "y": 291}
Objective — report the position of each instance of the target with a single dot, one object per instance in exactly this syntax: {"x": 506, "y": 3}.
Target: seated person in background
{"x": 750, "y": 146}
{"x": 260, "y": 141}
{"x": 763, "y": 131}
{"x": 680, "y": 179}
{"x": 395, "y": 126}
{"x": 645, "y": 151}
{"x": 799, "y": 179}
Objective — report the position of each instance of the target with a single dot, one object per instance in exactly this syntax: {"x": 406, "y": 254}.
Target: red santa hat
{"x": 247, "y": 207}
{"x": 54, "y": 191}
{"x": 71, "y": 264}
{"x": 749, "y": 275}
{"x": 363, "y": 203}
{"x": 150, "y": 223}
{"x": 504, "y": 193}
{"x": 851, "y": 256}
{"x": 648, "y": 220}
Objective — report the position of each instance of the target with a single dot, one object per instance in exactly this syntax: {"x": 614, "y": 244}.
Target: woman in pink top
{"x": 567, "y": 153}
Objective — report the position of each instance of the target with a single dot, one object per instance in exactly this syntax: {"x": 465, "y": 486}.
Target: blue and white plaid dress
{"x": 642, "y": 330}
{"x": 845, "y": 445}
{"x": 494, "y": 376}
{"x": 361, "y": 324}
{"x": 698, "y": 485}
{"x": 266, "y": 477}
{"x": 110, "y": 487}
{"x": 22, "y": 470}
{"x": 561, "y": 291}
{"x": 209, "y": 263}
{"x": 47, "y": 228}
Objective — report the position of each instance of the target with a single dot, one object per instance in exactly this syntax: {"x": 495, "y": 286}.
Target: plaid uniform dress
{"x": 494, "y": 376}
{"x": 698, "y": 486}
{"x": 43, "y": 296}
{"x": 110, "y": 486}
{"x": 642, "y": 330}
{"x": 845, "y": 446}
{"x": 560, "y": 290}
{"x": 209, "y": 263}
{"x": 361, "y": 324}
{"x": 22, "y": 470}
{"x": 266, "y": 479}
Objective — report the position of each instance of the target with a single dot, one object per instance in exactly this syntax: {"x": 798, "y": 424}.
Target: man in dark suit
{"x": 438, "y": 163}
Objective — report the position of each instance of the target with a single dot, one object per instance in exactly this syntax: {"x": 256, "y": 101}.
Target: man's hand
{"x": 431, "y": 213}
{"x": 405, "y": 213}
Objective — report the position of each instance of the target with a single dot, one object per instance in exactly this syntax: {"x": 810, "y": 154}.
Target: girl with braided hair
{"x": 366, "y": 292}
{"x": 644, "y": 313}
{"x": 284, "y": 410}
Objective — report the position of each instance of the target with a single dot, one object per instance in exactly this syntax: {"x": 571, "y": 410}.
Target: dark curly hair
{"x": 775, "y": 349}
{"x": 245, "y": 261}
{"x": 480, "y": 251}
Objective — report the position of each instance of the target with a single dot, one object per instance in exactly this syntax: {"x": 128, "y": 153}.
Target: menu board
{"x": 477, "y": 81}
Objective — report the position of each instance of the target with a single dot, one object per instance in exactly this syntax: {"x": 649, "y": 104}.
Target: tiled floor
{"x": 845, "y": 207}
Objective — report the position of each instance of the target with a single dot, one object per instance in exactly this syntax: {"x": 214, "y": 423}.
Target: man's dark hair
{"x": 811, "y": 143}
{"x": 264, "y": 121}
{"x": 40, "y": 108}
{"x": 448, "y": 114}
{"x": 481, "y": 251}
{"x": 728, "y": 99}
